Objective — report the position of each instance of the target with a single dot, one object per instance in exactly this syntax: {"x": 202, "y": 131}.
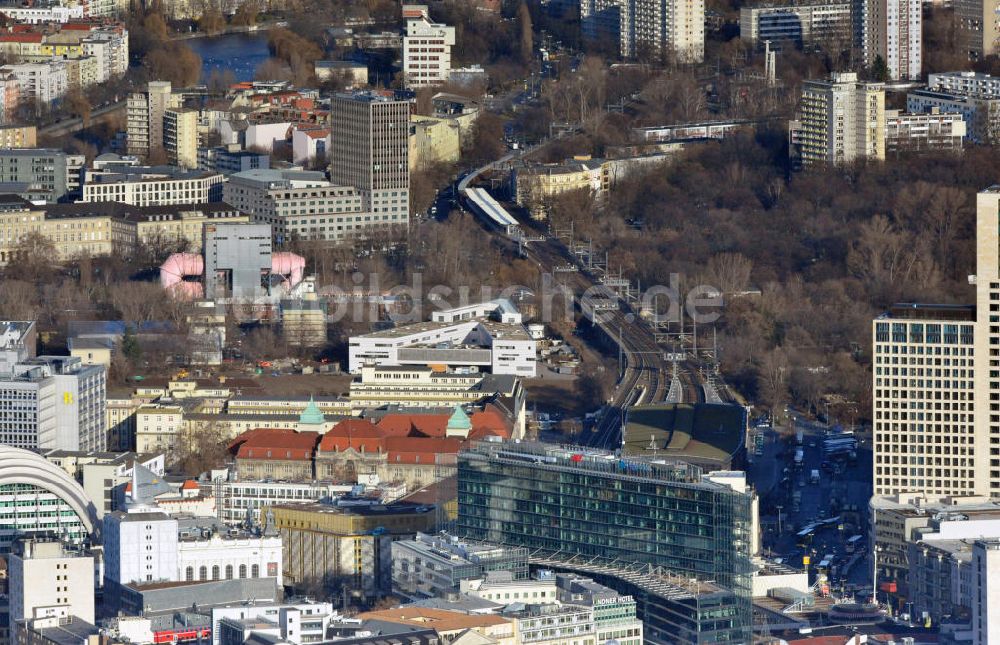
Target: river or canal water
{"x": 239, "y": 53}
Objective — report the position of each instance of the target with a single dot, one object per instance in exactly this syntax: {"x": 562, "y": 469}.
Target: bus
{"x": 854, "y": 542}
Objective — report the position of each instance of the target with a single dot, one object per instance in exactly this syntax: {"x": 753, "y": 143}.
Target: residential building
{"x": 973, "y": 83}
{"x": 310, "y": 144}
{"x": 295, "y": 623}
{"x": 924, "y": 430}
{"x": 18, "y": 339}
{"x": 431, "y": 566}
{"x": 145, "y": 113}
{"x": 18, "y": 136}
{"x": 180, "y": 136}
{"x": 41, "y": 173}
{"x": 45, "y": 500}
{"x": 641, "y": 28}
{"x": 807, "y": 22}
{"x": 841, "y": 120}
{"x": 980, "y": 113}
{"x": 923, "y": 132}
{"x": 44, "y": 83}
{"x": 891, "y": 32}
{"x": 152, "y": 186}
{"x": 300, "y": 204}
{"x": 369, "y": 151}
{"x": 986, "y": 591}
{"x": 47, "y": 580}
{"x": 978, "y": 28}
{"x": 60, "y": 403}
{"x": 427, "y": 52}
{"x": 10, "y": 100}
{"x": 502, "y": 499}
{"x": 43, "y": 14}
{"x": 231, "y": 159}
{"x": 348, "y": 543}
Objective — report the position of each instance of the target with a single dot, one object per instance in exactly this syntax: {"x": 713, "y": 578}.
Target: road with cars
{"x": 824, "y": 493}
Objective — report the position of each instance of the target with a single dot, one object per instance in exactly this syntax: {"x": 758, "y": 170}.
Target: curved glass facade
{"x": 27, "y": 510}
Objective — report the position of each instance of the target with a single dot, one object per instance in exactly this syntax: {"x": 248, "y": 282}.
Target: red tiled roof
{"x": 21, "y": 38}
{"x": 318, "y": 133}
{"x": 275, "y": 443}
{"x": 422, "y": 450}
{"x": 410, "y": 425}
{"x": 190, "y": 485}
{"x": 360, "y": 434}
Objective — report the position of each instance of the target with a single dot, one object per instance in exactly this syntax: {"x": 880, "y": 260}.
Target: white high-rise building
{"x": 891, "y": 30}
{"x": 648, "y": 27}
{"x": 48, "y": 581}
{"x": 840, "y": 120}
{"x": 427, "y": 52}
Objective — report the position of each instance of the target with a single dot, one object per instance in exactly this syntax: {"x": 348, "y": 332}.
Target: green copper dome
{"x": 312, "y": 415}
{"x": 459, "y": 420}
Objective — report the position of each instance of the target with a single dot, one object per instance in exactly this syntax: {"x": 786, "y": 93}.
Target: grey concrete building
{"x": 40, "y": 173}
{"x": 237, "y": 260}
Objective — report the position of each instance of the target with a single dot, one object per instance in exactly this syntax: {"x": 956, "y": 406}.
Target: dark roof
{"x": 700, "y": 432}
{"x": 131, "y": 212}
{"x": 14, "y": 202}
{"x": 925, "y": 311}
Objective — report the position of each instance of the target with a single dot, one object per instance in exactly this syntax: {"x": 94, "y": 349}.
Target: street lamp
{"x": 779, "y": 507}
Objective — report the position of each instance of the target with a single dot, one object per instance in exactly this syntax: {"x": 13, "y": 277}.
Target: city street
{"x": 836, "y": 505}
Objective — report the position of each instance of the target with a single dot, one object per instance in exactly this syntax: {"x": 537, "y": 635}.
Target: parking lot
{"x": 819, "y": 491}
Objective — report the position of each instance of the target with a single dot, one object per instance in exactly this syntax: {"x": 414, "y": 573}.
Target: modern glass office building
{"x": 630, "y": 515}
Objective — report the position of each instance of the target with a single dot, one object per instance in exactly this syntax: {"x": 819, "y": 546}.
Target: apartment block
{"x": 891, "y": 31}
{"x": 841, "y": 120}
{"x": 145, "y": 113}
{"x": 370, "y": 151}
{"x": 648, "y": 27}
{"x": 975, "y": 83}
{"x": 427, "y": 52}
{"x": 978, "y": 27}
{"x": 801, "y": 23}
{"x": 18, "y": 136}
{"x": 986, "y": 592}
{"x": 923, "y": 132}
{"x": 180, "y": 137}
{"x": 43, "y": 83}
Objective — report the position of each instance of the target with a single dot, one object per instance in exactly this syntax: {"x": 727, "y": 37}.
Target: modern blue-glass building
{"x": 676, "y": 538}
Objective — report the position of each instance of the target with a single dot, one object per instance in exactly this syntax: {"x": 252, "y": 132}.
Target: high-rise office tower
{"x": 987, "y": 342}
{"x": 840, "y": 120}
{"x": 891, "y": 31}
{"x": 648, "y": 27}
{"x": 589, "y": 507}
{"x": 978, "y": 26}
{"x": 922, "y": 386}
{"x": 370, "y": 151}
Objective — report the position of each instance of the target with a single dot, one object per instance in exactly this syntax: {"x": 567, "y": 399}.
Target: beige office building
{"x": 841, "y": 120}
{"x": 922, "y": 385}
{"x": 145, "y": 112}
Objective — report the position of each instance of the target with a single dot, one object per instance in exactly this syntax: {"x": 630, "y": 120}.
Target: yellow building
{"x": 181, "y": 223}
{"x": 433, "y": 140}
{"x": 18, "y": 136}
{"x": 73, "y": 231}
{"x": 158, "y": 427}
{"x": 180, "y": 136}
{"x": 841, "y": 120}
{"x": 82, "y": 72}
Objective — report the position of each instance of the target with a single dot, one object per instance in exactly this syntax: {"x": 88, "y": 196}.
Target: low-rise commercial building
{"x": 431, "y": 566}
{"x": 231, "y": 159}
{"x": 152, "y": 186}
{"x": 980, "y": 113}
